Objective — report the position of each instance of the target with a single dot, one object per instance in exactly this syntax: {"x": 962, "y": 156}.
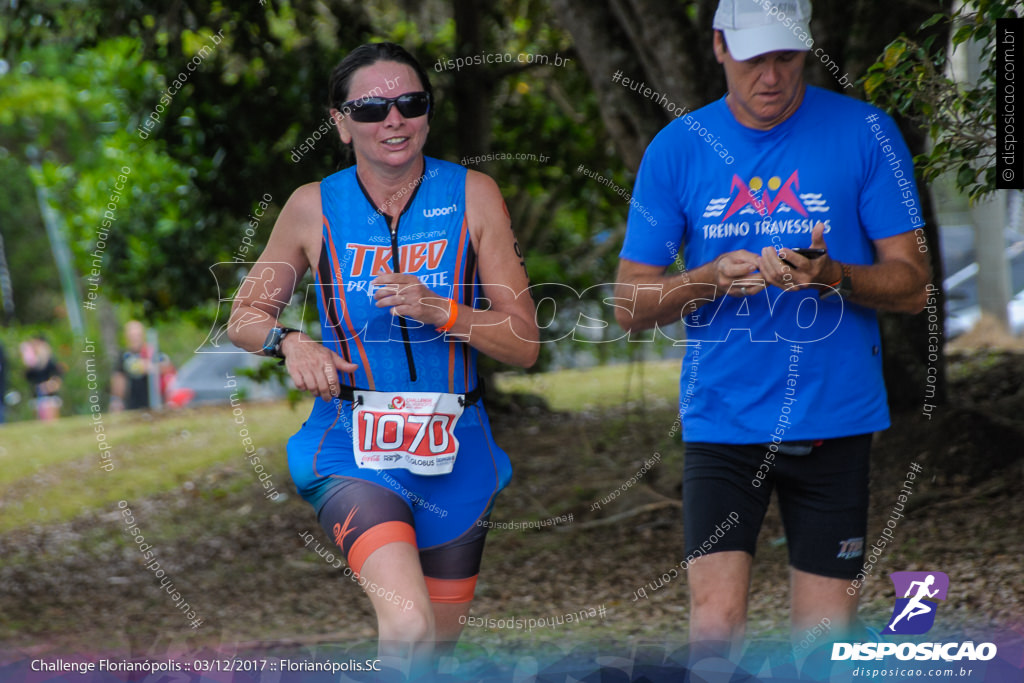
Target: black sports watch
{"x": 272, "y": 345}
{"x": 844, "y": 288}
{"x": 846, "y": 284}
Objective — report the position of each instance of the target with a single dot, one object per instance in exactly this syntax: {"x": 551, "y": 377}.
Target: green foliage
{"x": 569, "y": 225}
{"x": 89, "y": 78}
{"x": 84, "y": 80}
{"x": 79, "y": 132}
{"x": 33, "y": 274}
{"x": 911, "y": 79}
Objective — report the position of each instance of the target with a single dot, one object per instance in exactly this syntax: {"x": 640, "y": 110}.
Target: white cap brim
{"x": 751, "y": 42}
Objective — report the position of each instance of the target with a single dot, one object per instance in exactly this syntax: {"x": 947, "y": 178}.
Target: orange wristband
{"x": 453, "y": 315}
{"x": 841, "y": 273}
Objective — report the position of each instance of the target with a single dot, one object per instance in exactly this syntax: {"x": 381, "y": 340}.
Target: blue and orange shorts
{"x": 361, "y": 510}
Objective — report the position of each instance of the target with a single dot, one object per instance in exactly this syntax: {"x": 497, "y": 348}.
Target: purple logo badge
{"x": 914, "y": 612}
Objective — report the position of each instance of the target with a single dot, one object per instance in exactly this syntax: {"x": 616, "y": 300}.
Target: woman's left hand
{"x": 410, "y": 298}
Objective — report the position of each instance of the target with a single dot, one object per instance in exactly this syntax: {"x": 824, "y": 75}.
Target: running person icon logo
{"x": 914, "y": 613}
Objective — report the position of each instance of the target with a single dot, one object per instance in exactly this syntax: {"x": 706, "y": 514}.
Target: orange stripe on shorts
{"x": 377, "y": 537}
{"x": 451, "y": 591}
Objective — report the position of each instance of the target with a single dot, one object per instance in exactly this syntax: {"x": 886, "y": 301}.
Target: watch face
{"x": 271, "y": 345}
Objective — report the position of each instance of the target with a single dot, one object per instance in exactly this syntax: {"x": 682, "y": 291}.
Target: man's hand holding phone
{"x": 807, "y": 252}
{"x": 799, "y": 268}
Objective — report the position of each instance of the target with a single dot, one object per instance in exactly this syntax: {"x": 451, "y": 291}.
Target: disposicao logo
{"x": 914, "y": 614}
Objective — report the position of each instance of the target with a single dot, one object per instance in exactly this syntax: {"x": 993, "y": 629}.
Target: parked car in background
{"x": 203, "y": 379}
{"x": 960, "y": 283}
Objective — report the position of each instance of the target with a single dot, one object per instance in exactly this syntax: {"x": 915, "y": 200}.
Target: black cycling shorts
{"x": 823, "y": 498}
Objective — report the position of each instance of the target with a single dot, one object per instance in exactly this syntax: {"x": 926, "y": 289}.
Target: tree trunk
{"x": 6, "y": 289}
{"x": 472, "y": 94}
{"x": 651, "y": 43}
{"x": 906, "y": 355}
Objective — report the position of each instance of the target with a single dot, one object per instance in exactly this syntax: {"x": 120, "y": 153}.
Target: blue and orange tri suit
{"x": 362, "y": 509}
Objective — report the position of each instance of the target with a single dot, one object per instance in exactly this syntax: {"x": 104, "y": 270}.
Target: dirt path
{"x": 239, "y": 560}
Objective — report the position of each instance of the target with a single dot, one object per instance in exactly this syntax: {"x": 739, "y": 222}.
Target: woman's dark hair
{"x": 365, "y": 55}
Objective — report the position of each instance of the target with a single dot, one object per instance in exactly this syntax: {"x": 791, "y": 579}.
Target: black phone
{"x": 809, "y": 253}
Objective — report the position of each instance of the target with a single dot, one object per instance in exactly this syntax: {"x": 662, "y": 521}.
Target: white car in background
{"x": 203, "y": 379}
{"x": 960, "y": 286}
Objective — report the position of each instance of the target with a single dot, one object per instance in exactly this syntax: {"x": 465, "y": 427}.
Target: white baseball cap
{"x": 754, "y": 27}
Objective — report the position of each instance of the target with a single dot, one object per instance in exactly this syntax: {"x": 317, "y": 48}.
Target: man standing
{"x": 129, "y": 387}
{"x": 782, "y": 379}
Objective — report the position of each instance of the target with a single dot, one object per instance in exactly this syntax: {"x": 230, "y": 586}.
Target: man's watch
{"x": 272, "y": 345}
{"x": 844, "y": 286}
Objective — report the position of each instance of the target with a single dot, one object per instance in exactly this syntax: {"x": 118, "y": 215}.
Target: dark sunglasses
{"x": 376, "y": 109}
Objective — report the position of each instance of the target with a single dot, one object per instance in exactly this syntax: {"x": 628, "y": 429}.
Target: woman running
{"x": 397, "y": 457}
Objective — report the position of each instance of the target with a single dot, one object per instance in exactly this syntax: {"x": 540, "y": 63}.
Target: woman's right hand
{"x": 312, "y": 366}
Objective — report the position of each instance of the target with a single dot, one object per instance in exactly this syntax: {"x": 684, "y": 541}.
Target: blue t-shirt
{"x": 780, "y": 364}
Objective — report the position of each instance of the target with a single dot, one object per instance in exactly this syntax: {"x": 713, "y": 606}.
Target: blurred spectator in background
{"x": 3, "y": 381}
{"x": 130, "y": 384}
{"x": 44, "y": 375}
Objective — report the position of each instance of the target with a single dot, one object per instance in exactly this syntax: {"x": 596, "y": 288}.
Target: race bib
{"x": 408, "y": 430}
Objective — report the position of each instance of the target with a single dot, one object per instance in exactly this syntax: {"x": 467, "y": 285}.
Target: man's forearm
{"x": 664, "y": 300}
{"x": 891, "y": 286}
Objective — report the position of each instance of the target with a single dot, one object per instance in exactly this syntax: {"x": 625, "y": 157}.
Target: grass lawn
{"x": 598, "y": 387}
{"x": 53, "y": 472}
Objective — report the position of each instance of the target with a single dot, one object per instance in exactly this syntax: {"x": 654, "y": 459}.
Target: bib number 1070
{"x": 422, "y": 435}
